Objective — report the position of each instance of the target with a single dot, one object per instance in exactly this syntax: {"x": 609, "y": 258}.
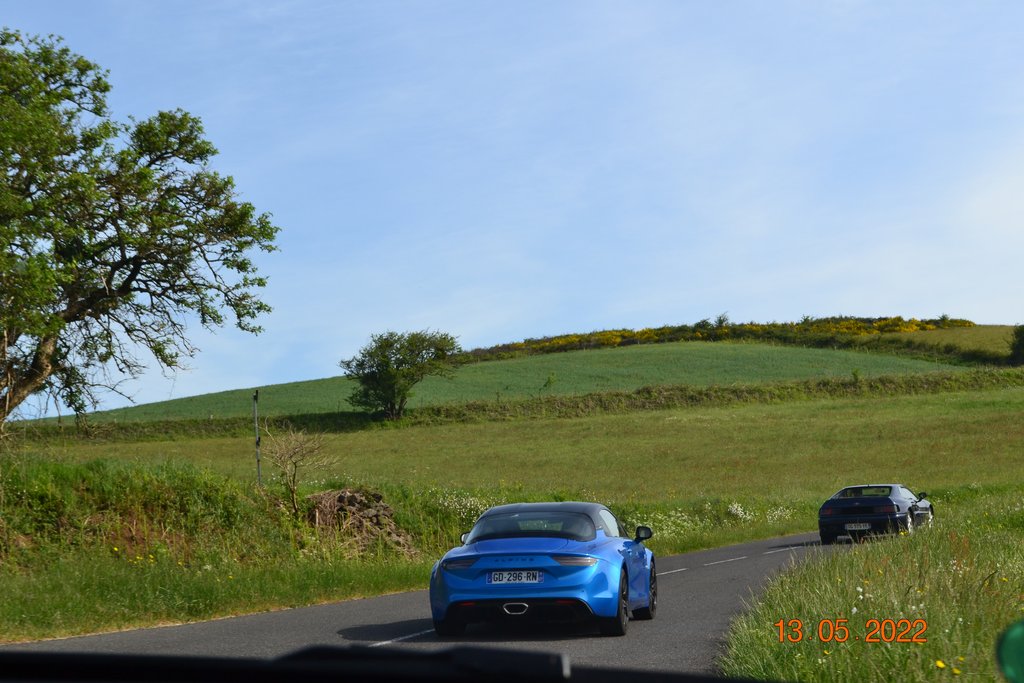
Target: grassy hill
{"x": 556, "y": 374}
{"x": 994, "y": 339}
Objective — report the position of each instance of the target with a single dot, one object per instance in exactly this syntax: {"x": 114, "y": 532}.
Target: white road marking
{"x": 672, "y": 571}
{"x": 781, "y": 550}
{"x": 732, "y": 559}
{"x": 401, "y": 638}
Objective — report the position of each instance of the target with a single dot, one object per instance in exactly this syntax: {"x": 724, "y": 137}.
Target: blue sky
{"x": 502, "y": 170}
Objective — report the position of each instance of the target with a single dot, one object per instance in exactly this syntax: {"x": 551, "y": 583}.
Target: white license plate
{"x": 516, "y": 576}
{"x": 857, "y": 526}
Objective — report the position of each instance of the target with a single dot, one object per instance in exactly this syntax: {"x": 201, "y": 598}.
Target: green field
{"x": 574, "y": 372}
{"x": 991, "y": 338}
{"x": 799, "y": 451}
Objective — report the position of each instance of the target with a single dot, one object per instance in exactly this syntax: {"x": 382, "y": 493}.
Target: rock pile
{"x": 360, "y": 515}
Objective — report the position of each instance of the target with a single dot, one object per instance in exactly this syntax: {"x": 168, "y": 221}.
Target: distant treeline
{"x": 834, "y": 332}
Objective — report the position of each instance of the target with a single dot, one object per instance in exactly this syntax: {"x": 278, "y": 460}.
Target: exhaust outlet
{"x": 515, "y": 608}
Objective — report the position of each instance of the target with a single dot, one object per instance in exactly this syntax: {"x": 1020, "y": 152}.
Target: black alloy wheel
{"x": 652, "y": 604}
{"x": 619, "y": 624}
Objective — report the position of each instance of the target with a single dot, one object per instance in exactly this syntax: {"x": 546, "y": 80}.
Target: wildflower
{"x": 940, "y": 664}
{"x": 115, "y": 548}
{"x": 960, "y": 659}
{"x": 956, "y": 671}
{"x": 828, "y": 652}
{"x": 854, "y": 611}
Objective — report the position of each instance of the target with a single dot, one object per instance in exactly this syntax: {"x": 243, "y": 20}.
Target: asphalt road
{"x": 699, "y": 593}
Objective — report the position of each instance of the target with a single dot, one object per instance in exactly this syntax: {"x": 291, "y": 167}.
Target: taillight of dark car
{"x": 882, "y": 509}
{"x": 826, "y": 512}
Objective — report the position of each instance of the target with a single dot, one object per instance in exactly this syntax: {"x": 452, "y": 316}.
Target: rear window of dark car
{"x": 573, "y": 525}
{"x": 865, "y": 492}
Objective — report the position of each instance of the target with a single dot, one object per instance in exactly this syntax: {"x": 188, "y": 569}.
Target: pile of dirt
{"x": 360, "y": 515}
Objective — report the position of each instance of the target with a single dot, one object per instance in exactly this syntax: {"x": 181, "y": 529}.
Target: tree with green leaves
{"x": 392, "y": 363}
{"x": 113, "y": 236}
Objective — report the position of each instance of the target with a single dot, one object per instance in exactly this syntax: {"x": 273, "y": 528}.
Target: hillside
{"x": 556, "y": 374}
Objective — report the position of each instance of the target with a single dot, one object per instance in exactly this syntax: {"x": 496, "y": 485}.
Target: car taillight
{"x": 826, "y": 512}
{"x": 575, "y": 560}
{"x": 460, "y": 563}
{"x": 886, "y": 508}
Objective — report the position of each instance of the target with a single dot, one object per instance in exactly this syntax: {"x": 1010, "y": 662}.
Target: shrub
{"x": 1017, "y": 346}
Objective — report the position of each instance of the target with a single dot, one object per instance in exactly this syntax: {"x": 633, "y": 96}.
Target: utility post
{"x": 256, "y": 428}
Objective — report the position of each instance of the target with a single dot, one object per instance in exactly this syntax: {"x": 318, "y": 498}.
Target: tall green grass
{"x": 963, "y": 577}
{"x": 189, "y": 543}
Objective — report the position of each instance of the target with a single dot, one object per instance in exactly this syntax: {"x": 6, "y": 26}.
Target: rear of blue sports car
{"x": 562, "y": 561}
{"x": 550, "y": 579}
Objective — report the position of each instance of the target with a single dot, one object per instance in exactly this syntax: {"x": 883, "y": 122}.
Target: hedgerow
{"x": 835, "y": 332}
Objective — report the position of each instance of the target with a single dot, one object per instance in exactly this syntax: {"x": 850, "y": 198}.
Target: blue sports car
{"x": 857, "y": 511}
{"x": 545, "y": 561}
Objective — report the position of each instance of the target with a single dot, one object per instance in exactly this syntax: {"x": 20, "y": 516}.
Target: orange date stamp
{"x": 840, "y": 631}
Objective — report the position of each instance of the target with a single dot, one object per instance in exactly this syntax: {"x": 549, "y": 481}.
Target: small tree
{"x": 1017, "y": 346}
{"x": 294, "y": 451}
{"x": 393, "y": 363}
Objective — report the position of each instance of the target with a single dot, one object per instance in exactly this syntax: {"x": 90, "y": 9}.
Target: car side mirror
{"x": 1010, "y": 653}
{"x": 643, "y": 533}
{"x": 463, "y": 537}
{"x": 922, "y": 495}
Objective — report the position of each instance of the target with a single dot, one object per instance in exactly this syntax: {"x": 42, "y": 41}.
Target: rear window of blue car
{"x": 865, "y": 491}
{"x": 573, "y": 525}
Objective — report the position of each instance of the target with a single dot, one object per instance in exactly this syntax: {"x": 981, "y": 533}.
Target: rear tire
{"x": 449, "y": 627}
{"x": 652, "y": 603}
{"x": 619, "y": 624}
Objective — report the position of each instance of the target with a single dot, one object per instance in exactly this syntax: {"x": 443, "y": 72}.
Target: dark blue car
{"x": 858, "y": 511}
{"x": 545, "y": 561}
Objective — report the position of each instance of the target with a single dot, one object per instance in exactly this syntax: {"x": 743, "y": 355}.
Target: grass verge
{"x": 962, "y": 579}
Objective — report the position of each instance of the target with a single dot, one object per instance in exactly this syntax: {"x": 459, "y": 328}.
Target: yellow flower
{"x": 939, "y": 663}
{"x": 960, "y": 659}
{"x": 956, "y": 671}
{"x": 828, "y": 652}
{"x": 115, "y": 548}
